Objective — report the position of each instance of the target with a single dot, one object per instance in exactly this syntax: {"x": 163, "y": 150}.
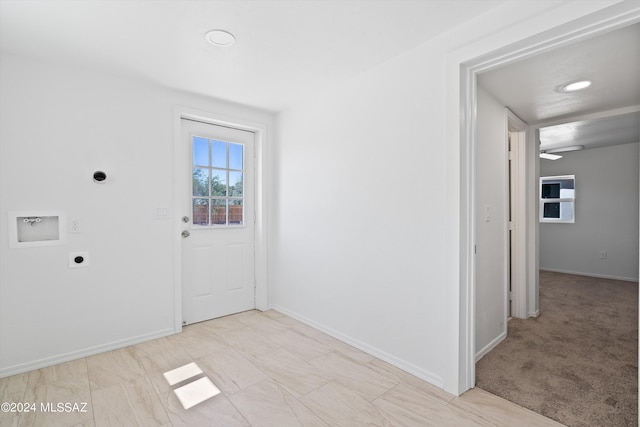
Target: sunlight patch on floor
{"x": 194, "y": 392}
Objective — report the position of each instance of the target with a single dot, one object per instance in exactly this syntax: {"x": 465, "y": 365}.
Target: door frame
{"x": 518, "y": 204}
{"x": 179, "y": 194}
{"x": 596, "y": 23}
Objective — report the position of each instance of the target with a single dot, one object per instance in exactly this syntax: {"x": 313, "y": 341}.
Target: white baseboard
{"x": 89, "y": 351}
{"x": 600, "y": 276}
{"x": 487, "y": 348}
{"x": 412, "y": 369}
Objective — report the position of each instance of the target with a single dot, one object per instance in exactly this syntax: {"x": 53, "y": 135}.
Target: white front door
{"x": 218, "y": 276}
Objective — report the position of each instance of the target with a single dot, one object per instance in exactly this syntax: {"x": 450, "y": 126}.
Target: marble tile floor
{"x": 271, "y": 370}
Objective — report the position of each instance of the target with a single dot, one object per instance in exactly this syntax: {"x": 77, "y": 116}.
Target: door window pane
{"x": 219, "y": 154}
{"x": 235, "y": 184}
{"x": 200, "y": 181}
{"x": 200, "y": 151}
{"x": 218, "y": 182}
{"x": 201, "y": 211}
{"x": 236, "y": 212}
{"x": 219, "y": 211}
{"x": 235, "y": 156}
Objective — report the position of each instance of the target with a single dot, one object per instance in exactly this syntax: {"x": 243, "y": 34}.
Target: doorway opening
{"x": 582, "y": 29}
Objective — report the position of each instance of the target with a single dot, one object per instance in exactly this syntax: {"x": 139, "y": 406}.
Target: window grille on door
{"x": 218, "y": 187}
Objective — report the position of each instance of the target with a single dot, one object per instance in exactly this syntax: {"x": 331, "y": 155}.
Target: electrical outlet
{"x": 74, "y": 226}
{"x": 603, "y": 255}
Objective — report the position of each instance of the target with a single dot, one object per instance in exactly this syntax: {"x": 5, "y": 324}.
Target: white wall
{"x": 491, "y": 232}
{"x": 606, "y": 216}
{"x": 58, "y": 125}
{"x": 358, "y": 244}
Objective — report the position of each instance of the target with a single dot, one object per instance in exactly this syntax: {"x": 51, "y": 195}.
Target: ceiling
{"x": 284, "y": 51}
{"x": 611, "y": 61}
{"x": 594, "y": 133}
{"x": 288, "y": 50}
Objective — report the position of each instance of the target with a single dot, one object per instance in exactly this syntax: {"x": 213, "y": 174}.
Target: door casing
{"x": 518, "y": 200}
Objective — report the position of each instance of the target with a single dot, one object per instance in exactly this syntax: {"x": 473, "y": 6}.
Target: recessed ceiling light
{"x": 220, "y": 38}
{"x": 575, "y": 86}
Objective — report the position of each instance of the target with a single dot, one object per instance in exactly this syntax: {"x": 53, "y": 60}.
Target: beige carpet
{"x": 577, "y": 363}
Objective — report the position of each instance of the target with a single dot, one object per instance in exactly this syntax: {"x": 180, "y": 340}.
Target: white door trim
{"x": 261, "y": 135}
{"x": 600, "y": 22}
{"x": 519, "y": 215}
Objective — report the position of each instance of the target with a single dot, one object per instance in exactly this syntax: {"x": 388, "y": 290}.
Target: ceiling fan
{"x": 552, "y": 154}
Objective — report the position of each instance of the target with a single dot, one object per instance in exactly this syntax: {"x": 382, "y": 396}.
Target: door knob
{"x": 186, "y": 234}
